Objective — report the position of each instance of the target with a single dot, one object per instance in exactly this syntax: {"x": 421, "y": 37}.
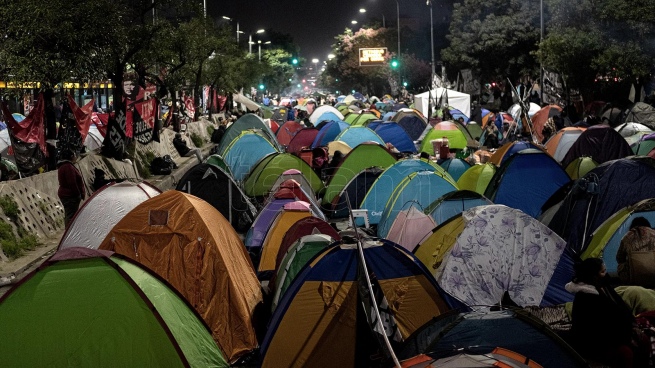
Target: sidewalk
{"x": 13, "y": 270}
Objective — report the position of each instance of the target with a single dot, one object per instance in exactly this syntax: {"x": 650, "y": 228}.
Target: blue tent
{"x": 327, "y": 116}
{"x": 454, "y": 203}
{"x": 381, "y": 190}
{"x": 413, "y": 125}
{"x": 526, "y": 181}
{"x": 455, "y": 167}
{"x": 355, "y": 135}
{"x": 245, "y": 151}
{"x": 329, "y": 132}
{"x": 516, "y": 146}
{"x": 418, "y": 189}
{"x": 246, "y": 122}
{"x": 601, "y": 193}
{"x": 480, "y": 332}
{"x": 393, "y": 133}
{"x": 388, "y": 116}
{"x": 456, "y": 114}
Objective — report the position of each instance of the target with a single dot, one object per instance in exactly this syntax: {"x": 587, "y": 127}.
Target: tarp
{"x": 248, "y": 103}
{"x": 102, "y": 211}
{"x": 88, "y": 307}
{"x": 218, "y": 280}
{"x": 460, "y": 101}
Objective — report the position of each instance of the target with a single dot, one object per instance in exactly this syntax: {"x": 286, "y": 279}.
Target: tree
{"x": 591, "y": 41}
{"x": 278, "y": 70}
{"x": 496, "y": 38}
{"x": 344, "y": 73}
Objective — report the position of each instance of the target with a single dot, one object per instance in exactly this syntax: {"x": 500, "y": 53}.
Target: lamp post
{"x": 250, "y": 43}
{"x": 398, "y": 24}
{"x": 429, "y": 3}
{"x": 230, "y": 19}
{"x": 259, "y": 43}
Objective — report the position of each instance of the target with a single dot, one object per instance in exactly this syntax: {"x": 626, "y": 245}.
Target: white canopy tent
{"x": 458, "y": 100}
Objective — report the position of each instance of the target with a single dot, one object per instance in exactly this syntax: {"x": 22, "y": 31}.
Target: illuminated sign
{"x": 372, "y": 56}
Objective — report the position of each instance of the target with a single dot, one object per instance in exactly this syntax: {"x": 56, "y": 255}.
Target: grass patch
{"x": 15, "y": 247}
{"x": 9, "y": 207}
{"x": 110, "y": 167}
{"x": 197, "y": 140}
{"x": 143, "y": 164}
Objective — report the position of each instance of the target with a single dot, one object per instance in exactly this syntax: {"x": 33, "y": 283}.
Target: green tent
{"x": 247, "y": 121}
{"x": 475, "y": 129}
{"x": 458, "y": 138}
{"x": 642, "y": 148}
{"x": 580, "y": 167}
{"x": 364, "y": 118}
{"x": 218, "y": 161}
{"x": 263, "y": 175}
{"x": 361, "y": 157}
{"x": 477, "y": 178}
{"x": 350, "y": 118}
{"x": 298, "y": 255}
{"x": 92, "y": 308}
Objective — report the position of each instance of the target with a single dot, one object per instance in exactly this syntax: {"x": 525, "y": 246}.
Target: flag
{"x": 82, "y": 116}
{"x": 101, "y": 121}
{"x": 115, "y": 143}
{"x": 144, "y": 121}
{"x": 190, "y": 107}
{"x": 28, "y": 137}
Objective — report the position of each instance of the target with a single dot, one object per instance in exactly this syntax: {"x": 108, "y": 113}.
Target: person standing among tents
{"x": 603, "y": 325}
{"x": 640, "y": 238}
{"x": 71, "y": 185}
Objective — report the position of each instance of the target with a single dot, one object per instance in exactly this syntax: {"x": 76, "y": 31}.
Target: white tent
{"x": 458, "y": 100}
{"x": 248, "y": 103}
{"x": 4, "y": 140}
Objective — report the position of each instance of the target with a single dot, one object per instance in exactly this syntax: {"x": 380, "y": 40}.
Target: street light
{"x": 259, "y": 43}
{"x": 230, "y": 19}
{"x": 429, "y": 3}
{"x": 362, "y": 10}
{"x": 353, "y": 22}
{"x": 250, "y": 43}
{"x": 331, "y": 56}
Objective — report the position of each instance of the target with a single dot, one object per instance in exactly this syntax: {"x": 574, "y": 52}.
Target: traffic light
{"x": 394, "y": 64}
{"x": 294, "y": 61}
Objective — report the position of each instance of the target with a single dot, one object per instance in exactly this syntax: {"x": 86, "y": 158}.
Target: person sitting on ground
{"x": 184, "y": 150}
{"x": 491, "y": 135}
{"x": 640, "y": 237}
{"x": 602, "y": 324}
{"x": 218, "y": 133}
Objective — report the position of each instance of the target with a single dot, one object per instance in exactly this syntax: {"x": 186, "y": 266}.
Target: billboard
{"x": 372, "y": 56}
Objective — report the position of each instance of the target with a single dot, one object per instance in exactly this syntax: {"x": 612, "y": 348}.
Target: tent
{"x": 460, "y": 101}
{"x": 255, "y": 235}
{"x": 219, "y": 162}
{"x": 288, "y": 215}
{"x": 455, "y": 167}
{"x": 458, "y": 137}
{"x": 412, "y": 121}
{"x": 526, "y": 180}
{"x": 599, "y": 142}
{"x": 93, "y": 139}
{"x": 632, "y": 132}
{"x": 606, "y": 239}
{"x": 314, "y": 117}
{"x": 354, "y": 192}
{"x": 287, "y": 131}
{"x": 641, "y": 113}
{"x": 318, "y": 321}
{"x": 416, "y": 189}
{"x": 264, "y": 173}
{"x": 245, "y": 101}
{"x": 604, "y": 191}
{"x": 380, "y": 192}
{"x": 245, "y": 151}
{"x": 307, "y": 226}
{"x": 580, "y": 167}
{"x": 645, "y": 145}
{"x": 302, "y": 139}
{"x": 540, "y": 118}
{"x": 410, "y": 227}
{"x": 509, "y": 149}
{"x": 102, "y": 211}
{"x": 560, "y": 144}
{"x": 217, "y": 187}
{"x": 364, "y": 118}
{"x": 361, "y": 157}
{"x": 499, "y": 250}
{"x": 499, "y": 357}
{"x": 454, "y": 203}
{"x": 338, "y": 146}
{"x": 297, "y": 176}
{"x": 477, "y": 178}
{"x": 85, "y": 307}
{"x": 329, "y": 132}
{"x": 294, "y": 258}
{"x": 480, "y": 332}
{"x": 328, "y": 116}
{"x": 246, "y": 122}
{"x": 355, "y": 135}
{"x": 391, "y": 132}
{"x": 191, "y": 245}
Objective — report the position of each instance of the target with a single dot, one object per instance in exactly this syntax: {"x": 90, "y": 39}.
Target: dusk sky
{"x": 313, "y": 24}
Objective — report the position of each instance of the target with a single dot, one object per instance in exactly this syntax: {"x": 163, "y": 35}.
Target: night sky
{"x": 312, "y": 24}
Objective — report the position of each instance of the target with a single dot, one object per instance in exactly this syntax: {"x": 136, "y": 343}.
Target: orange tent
{"x": 186, "y": 241}
{"x": 559, "y": 144}
{"x": 540, "y": 118}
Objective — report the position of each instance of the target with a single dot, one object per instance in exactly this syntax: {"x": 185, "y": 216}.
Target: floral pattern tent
{"x": 500, "y": 249}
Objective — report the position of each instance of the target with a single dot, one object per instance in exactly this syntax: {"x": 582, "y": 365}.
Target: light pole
{"x": 230, "y": 19}
{"x": 259, "y": 43}
{"x": 429, "y": 3}
{"x": 398, "y": 24}
{"x": 250, "y": 43}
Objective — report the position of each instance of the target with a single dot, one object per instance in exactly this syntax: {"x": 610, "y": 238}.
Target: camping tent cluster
{"x": 271, "y": 250}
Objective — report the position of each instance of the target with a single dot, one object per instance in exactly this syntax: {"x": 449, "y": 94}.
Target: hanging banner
{"x": 28, "y": 137}
{"x": 554, "y": 89}
{"x": 469, "y": 84}
{"x": 190, "y": 107}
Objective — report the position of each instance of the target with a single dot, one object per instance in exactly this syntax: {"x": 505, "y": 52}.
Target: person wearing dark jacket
{"x": 71, "y": 185}
{"x": 184, "y": 150}
{"x": 603, "y": 324}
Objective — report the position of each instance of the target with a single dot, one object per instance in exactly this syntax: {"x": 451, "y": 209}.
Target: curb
{"x": 29, "y": 260}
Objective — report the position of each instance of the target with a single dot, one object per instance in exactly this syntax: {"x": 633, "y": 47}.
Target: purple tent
{"x": 259, "y": 228}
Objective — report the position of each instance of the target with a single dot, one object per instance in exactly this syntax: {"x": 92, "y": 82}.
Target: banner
{"x": 144, "y": 126}
{"x": 554, "y": 89}
{"x": 190, "y": 107}
{"x": 469, "y": 84}
{"x": 101, "y": 121}
{"x": 82, "y": 116}
{"x": 115, "y": 143}
{"x": 28, "y": 137}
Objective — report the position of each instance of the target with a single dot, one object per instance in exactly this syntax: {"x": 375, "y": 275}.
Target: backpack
{"x": 162, "y": 166}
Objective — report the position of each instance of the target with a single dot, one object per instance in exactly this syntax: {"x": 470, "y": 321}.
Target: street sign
{"x": 372, "y": 56}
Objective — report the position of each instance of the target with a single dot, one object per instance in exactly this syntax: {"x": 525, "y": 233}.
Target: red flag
{"x": 82, "y": 116}
{"x": 32, "y": 128}
{"x": 190, "y": 107}
{"x": 101, "y": 121}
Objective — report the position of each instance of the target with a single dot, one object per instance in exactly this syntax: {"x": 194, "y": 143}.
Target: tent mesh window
{"x": 158, "y": 218}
